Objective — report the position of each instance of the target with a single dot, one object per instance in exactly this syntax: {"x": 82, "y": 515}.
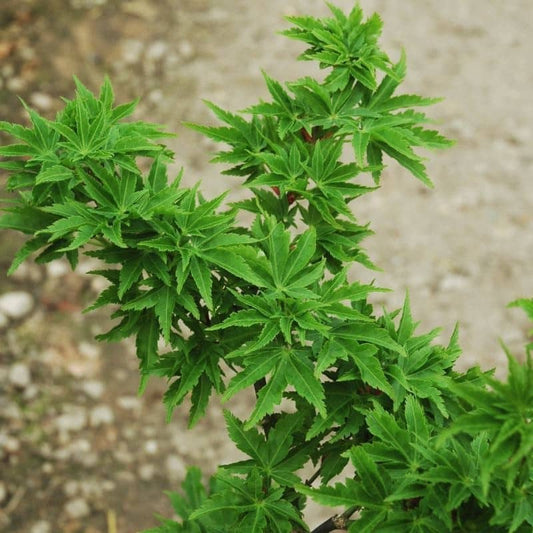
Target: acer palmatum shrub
{"x": 416, "y": 445}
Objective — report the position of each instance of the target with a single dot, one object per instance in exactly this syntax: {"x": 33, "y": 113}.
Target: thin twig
{"x": 310, "y": 481}
{"x": 336, "y": 522}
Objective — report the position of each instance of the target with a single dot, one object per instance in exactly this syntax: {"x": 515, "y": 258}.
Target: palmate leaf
{"x": 243, "y": 505}
{"x": 369, "y": 490}
{"x": 164, "y": 309}
{"x": 257, "y": 366}
{"x": 290, "y": 367}
{"x": 146, "y": 344}
{"x": 270, "y": 455}
{"x": 339, "y": 406}
{"x": 202, "y": 277}
{"x": 270, "y": 395}
{"x": 26, "y": 219}
{"x": 301, "y": 376}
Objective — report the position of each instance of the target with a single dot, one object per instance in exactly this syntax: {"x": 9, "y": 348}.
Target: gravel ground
{"x": 78, "y": 448}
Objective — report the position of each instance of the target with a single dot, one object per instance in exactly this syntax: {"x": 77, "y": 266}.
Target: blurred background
{"x": 78, "y": 448}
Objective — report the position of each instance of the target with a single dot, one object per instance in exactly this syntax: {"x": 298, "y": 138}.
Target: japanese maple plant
{"x": 353, "y": 408}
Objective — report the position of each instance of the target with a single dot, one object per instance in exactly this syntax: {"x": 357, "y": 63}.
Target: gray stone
{"x": 132, "y": 50}
{"x": 11, "y": 411}
{"x": 156, "y": 51}
{"x": 42, "y": 100}
{"x": 151, "y": 447}
{"x": 57, "y": 268}
{"x": 42, "y": 526}
{"x": 185, "y": 49}
{"x": 129, "y": 403}
{"x": 101, "y": 415}
{"x": 93, "y": 388}
{"x": 108, "y": 485}
{"x": 27, "y": 272}
{"x": 175, "y": 467}
{"x": 71, "y": 488}
{"x": 31, "y": 392}
{"x": 89, "y": 350}
{"x": 77, "y": 508}
{"x": 19, "y": 375}
{"x": 74, "y": 419}
{"x": 16, "y": 84}
{"x": 9, "y": 444}
{"x": 16, "y": 304}
{"x": 146, "y": 472}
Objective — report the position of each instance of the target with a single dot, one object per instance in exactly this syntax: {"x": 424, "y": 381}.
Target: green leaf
{"x": 257, "y": 367}
{"x": 52, "y": 174}
{"x": 301, "y": 255}
{"x": 164, "y": 309}
{"x": 364, "y": 357}
{"x": 383, "y": 425}
{"x": 370, "y": 333}
{"x": 26, "y": 219}
{"x": 360, "y": 142}
{"x": 248, "y": 441}
{"x": 243, "y": 319}
{"x": 270, "y": 395}
{"x": 300, "y": 375}
{"x": 146, "y": 343}
{"x": 416, "y": 420}
{"x": 202, "y": 277}
{"x": 233, "y": 262}
{"x": 129, "y": 274}
{"x": 332, "y": 496}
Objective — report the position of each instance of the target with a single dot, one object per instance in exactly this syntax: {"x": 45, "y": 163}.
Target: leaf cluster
{"x": 214, "y": 305}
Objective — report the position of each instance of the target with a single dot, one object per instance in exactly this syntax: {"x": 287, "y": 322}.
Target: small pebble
{"x": 93, "y": 388}
{"x": 185, "y": 49}
{"x": 57, "y": 268}
{"x": 16, "y": 84}
{"x": 156, "y": 51}
{"x": 132, "y": 50}
{"x": 11, "y": 411}
{"x": 89, "y": 350}
{"x": 125, "y": 476}
{"x": 151, "y": 447}
{"x": 74, "y": 419}
{"x": 123, "y": 455}
{"x": 19, "y": 375}
{"x": 9, "y": 444}
{"x": 108, "y": 485}
{"x": 28, "y": 272}
{"x": 77, "y": 508}
{"x": 129, "y": 403}
{"x": 16, "y": 304}
{"x": 31, "y": 392}
{"x": 175, "y": 467}
{"x": 452, "y": 282}
{"x": 42, "y": 526}
{"x": 71, "y": 488}
{"x": 146, "y": 472}
{"x": 100, "y": 415}
{"x": 42, "y": 101}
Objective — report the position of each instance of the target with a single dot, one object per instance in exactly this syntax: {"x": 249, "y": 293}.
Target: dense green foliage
{"x": 419, "y": 446}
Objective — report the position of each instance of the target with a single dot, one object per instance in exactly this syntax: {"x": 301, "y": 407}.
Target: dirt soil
{"x": 78, "y": 449}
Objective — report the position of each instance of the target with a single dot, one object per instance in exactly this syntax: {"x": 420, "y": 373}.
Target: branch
{"x": 336, "y": 522}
